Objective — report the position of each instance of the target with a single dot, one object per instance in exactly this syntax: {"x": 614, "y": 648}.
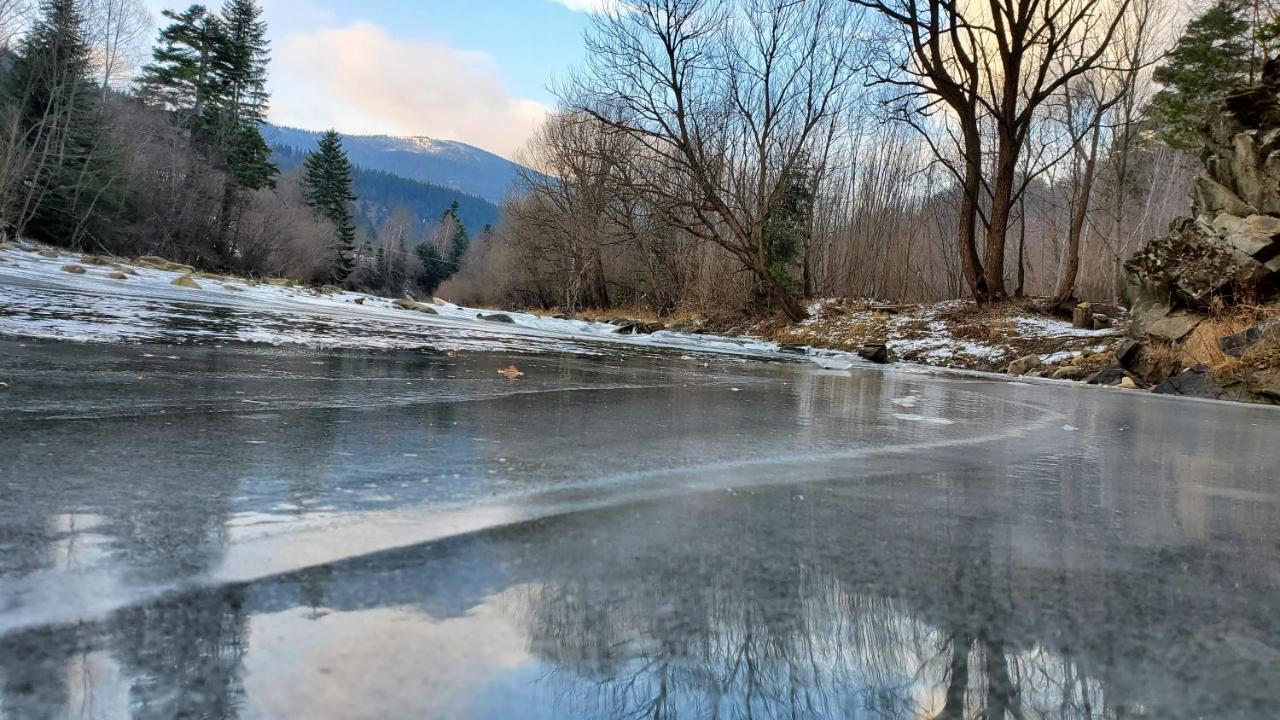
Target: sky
{"x": 477, "y": 71}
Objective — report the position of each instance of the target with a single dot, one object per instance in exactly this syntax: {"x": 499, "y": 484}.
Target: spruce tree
{"x": 459, "y": 241}
{"x": 1212, "y": 57}
{"x": 327, "y": 184}
{"x": 180, "y": 76}
{"x": 211, "y": 71}
{"x": 72, "y": 192}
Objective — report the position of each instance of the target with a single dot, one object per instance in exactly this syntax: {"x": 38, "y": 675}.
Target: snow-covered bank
{"x": 48, "y": 293}
{"x": 954, "y": 334}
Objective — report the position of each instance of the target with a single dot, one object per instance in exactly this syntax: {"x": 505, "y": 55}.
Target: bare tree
{"x": 120, "y": 32}
{"x": 1000, "y": 60}
{"x": 14, "y": 15}
{"x": 724, "y": 97}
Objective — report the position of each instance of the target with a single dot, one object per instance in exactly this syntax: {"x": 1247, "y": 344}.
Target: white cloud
{"x": 587, "y": 5}
{"x": 361, "y": 79}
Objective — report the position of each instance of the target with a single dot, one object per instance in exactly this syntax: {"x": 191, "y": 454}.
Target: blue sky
{"x": 474, "y": 70}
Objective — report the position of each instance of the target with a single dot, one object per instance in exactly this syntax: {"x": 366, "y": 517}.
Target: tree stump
{"x": 1082, "y": 317}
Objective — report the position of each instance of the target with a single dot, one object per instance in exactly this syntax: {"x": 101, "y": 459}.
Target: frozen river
{"x": 263, "y": 506}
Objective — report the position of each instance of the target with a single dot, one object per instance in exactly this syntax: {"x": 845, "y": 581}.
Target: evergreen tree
{"x": 1212, "y": 57}
{"x": 786, "y": 232}
{"x": 180, "y": 77}
{"x": 435, "y": 268}
{"x": 72, "y": 193}
{"x": 327, "y": 184}
{"x": 211, "y": 72}
{"x": 459, "y": 241}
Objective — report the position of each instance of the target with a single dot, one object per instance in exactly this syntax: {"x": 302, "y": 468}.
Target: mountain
{"x": 381, "y": 192}
{"x": 437, "y": 162}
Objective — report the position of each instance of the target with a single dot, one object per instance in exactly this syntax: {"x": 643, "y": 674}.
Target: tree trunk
{"x": 968, "y": 230}
{"x": 1001, "y": 206}
{"x": 1079, "y": 213}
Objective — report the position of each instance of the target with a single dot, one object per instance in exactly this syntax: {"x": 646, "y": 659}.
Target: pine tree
{"x": 72, "y": 193}
{"x": 459, "y": 241}
{"x": 435, "y": 268}
{"x": 180, "y": 77}
{"x": 211, "y": 72}
{"x": 1212, "y": 57}
{"x": 327, "y": 184}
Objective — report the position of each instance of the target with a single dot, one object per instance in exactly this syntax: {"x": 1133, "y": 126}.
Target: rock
{"x": 47, "y": 254}
{"x": 1127, "y": 352}
{"x": 1128, "y": 384}
{"x": 1024, "y": 365}
{"x": 73, "y": 269}
{"x": 1175, "y": 326}
{"x": 1111, "y": 376}
{"x": 1212, "y": 198}
{"x": 650, "y": 328}
{"x": 793, "y": 349}
{"x": 1193, "y": 382}
{"x": 1102, "y": 322}
{"x": 1236, "y": 345}
{"x": 276, "y": 282}
{"x": 1194, "y": 263}
{"x": 232, "y": 288}
{"x": 498, "y": 318}
{"x": 94, "y": 260}
{"x": 1070, "y": 372}
{"x": 186, "y": 281}
{"x": 330, "y": 289}
{"x": 511, "y": 372}
{"x": 1034, "y": 374}
{"x": 408, "y": 304}
{"x": 117, "y": 275}
{"x": 875, "y": 353}
{"x": 124, "y": 269}
{"x": 358, "y": 301}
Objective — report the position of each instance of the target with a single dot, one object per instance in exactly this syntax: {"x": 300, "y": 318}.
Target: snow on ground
{"x": 951, "y": 334}
{"x": 40, "y": 300}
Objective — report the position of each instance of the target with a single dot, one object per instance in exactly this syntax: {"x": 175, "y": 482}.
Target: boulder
{"x": 408, "y": 304}
{"x": 1236, "y": 345}
{"x": 1070, "y": 372}
{"x": 94, "y": 260}
{"x": 1127, "y": 352}
{"x": 185, "y": 281}
{"x": 73, "y": 269}
{"x": 117, "y": 275}
{"x": 1175, "y": 326}
{"x": 498, "y": 318}
{"x": 124, "y": 269}
{"x": 232, "y": 288}
{"x": 47, "y": 254}
{"x": 358, "y": 301}
{"x": 876, "y": 353}
{"x": 1129, "y": 384}
{"x": 1193, "y": 382}
{"x": 1024, "y": 365}
{"x": 793, "y": 349}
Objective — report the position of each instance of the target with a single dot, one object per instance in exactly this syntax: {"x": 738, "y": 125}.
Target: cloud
{"x": 587, "y": 5}
{"x": 363, "y": 80}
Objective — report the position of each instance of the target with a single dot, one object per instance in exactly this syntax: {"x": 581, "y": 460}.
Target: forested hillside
{"x": 381, "y": 192}
{"x": 444, "y": 163}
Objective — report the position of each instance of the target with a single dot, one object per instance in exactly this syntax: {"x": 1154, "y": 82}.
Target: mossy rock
{"x": 123, "y": 269}
{"x": 186, "y": 281}
{"x": 73, "y": 269}
{"x": 47, "y": 254}
{"x": 94, "y": 260}
{"x": 117, "y": 275}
